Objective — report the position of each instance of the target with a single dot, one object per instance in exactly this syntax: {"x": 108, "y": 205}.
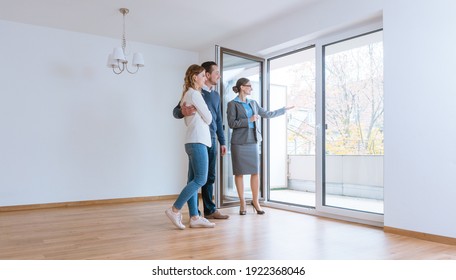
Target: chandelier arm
{"x": 120, "y": 68}
{"x": 123, "y": 65}
{"x": 117, "y": 73}
{"x": 132, "y": 72}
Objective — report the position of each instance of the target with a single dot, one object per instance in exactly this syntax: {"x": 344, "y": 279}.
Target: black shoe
{"x": 259, "y": 212}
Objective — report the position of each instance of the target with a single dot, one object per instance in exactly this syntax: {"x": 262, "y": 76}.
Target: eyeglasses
{"x": 248, "y": 86}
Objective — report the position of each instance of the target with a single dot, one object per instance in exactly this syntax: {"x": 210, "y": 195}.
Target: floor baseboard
{"x": 84, "y": 203}
{"x": 421, "y": 235}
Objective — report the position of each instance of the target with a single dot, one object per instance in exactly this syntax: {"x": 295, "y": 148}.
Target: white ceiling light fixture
{"x": 118, "y": 59}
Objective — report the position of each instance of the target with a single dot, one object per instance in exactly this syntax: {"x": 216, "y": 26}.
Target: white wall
{"x": 71, "y": 130}
{"x": 420, "y": 135}
{"x": 420, "y": 99}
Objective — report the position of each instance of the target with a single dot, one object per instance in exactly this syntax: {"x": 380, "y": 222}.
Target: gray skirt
{"x": 245, "y": 157}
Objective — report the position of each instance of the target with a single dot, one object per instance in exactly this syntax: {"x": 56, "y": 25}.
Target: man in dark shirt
{"x": 212, "y": 99}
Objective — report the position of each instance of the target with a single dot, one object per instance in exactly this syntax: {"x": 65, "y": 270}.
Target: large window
{"x": 292, "y": 138}
{"x": 353, "y": 117}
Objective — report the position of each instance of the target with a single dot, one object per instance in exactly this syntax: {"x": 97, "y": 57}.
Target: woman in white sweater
{"x": 197, "y": 139}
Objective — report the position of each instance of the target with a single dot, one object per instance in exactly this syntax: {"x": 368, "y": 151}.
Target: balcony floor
{"x": 308, "y": 199}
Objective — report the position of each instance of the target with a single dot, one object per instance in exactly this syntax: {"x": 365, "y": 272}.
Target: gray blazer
{"x": 238, "y": 121}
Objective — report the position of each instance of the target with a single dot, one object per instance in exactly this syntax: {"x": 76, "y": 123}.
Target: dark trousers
{"x": 207, "y": 191}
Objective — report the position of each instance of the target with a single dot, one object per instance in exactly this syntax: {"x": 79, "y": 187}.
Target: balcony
{"x": 352, "y": 181}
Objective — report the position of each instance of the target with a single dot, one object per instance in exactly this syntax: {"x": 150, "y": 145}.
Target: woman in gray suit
{"x": 243, "y": 117}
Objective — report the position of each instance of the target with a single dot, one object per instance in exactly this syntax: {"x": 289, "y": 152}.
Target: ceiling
{"x": 184, "y": 24}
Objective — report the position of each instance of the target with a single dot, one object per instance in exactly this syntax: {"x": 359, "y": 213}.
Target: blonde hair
{"x": 189, "y": 82}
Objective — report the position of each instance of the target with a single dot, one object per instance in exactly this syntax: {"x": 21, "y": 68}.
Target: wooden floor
{"x": 141, "y": 230}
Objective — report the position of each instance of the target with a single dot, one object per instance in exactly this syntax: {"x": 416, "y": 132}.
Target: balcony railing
{"x": 348, "y": 175}
{"x": 351, "y": 181}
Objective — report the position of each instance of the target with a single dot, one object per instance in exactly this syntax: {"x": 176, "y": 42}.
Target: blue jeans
{"x": 207, "y": 191}
{"x": 198, "y": 164}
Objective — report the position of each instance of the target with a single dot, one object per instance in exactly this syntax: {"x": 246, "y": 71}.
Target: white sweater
{"x": 197, "y": 124}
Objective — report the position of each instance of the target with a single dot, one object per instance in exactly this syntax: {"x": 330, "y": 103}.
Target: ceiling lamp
{"x": 118, "y": 59}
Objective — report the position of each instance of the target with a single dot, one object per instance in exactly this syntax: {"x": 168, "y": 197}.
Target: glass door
{"x": 292, "y": 139}
{"x": 234, "y": 65}
{"x": 353, "y": 117}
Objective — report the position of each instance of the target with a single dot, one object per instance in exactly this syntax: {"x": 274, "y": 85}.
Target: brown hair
{"x": 208, "y": 66}
{"x": 239, "y": 83}
{"x": 193, "y": 70}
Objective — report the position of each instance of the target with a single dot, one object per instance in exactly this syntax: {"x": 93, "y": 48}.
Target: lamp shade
{"x": 111, "y": 62}
{"x": 138, "y": 60}
{"x": 119, "y": 54}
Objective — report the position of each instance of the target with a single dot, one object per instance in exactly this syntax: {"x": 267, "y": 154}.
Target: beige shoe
{"x": 201, "y": 222}
{"x": 176, "y": 218}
